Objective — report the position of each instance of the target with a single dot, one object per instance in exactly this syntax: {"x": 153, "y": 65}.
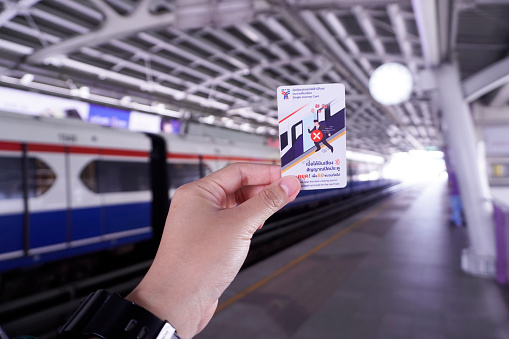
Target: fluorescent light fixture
{"x": 84, "y": 92}
{"x": 246, "y": 126}
{"x": 126, "y": 100}
{"x": 179, "y": 96}
{"x": 26, "y": 79}
{"x": 209, "y": 120}
{"x": 158, "y": 107}
{"x": 391, "y": 84}
{"x": 261, "y": 129}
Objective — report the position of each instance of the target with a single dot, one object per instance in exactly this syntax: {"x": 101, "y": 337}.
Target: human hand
{"x": 206, "y": 239}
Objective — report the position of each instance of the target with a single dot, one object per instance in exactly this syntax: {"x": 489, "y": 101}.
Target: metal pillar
{"x": 479, "y": 258}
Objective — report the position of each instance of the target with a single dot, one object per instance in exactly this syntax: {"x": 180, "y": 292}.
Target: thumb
{"x": 253, "y": 212}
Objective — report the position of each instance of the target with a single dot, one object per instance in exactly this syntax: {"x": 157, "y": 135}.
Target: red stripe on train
{"x": 31, "y": 147}
{"x": 45, "y": 148}
{"x": 86, "y": 150}
{"x": 212, "y": 157}
{"x": 10, "y": 146}
{"x": 16, "y": 146}
{"x": 107, "y": 151}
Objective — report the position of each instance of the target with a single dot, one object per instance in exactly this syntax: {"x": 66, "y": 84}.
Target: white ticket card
{"x": 312, "y": 134}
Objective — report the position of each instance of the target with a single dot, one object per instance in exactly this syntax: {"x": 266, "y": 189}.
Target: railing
{"x": 501, "y": 216}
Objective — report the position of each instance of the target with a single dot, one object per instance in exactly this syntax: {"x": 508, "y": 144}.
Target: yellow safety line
{"x": 303, "y": 257}
{"x": 310, "y": 154}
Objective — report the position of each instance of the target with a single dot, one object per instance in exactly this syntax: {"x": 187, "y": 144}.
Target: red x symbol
{"x": 316, "y": 136}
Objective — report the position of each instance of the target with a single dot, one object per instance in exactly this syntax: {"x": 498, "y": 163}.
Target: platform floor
{"x": 392, "y": 271}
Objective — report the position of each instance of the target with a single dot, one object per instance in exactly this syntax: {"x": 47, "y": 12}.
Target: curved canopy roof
{"x": 220, "y": 61}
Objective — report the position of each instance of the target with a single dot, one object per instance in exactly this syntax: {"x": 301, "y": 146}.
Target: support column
{"x": 479, "y": 258}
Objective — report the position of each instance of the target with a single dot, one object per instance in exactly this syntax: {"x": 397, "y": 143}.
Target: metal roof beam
{"x": 501, "y": 98}
{"x": 369, "y": 30}
{"x": 317, "y": 76}
{"x": 348, "y": 40}
{"x": 202, "y": 13}
{"x": 121, "y": 63}
{"x": 161, "y": 44}
{"x": 486, "y": 80}
{"x": 490, "y": 2}
{"x": 63, "y": 61}
{"x": 68, "y": 24}
{"x": 284, "y": 33}
{"x": 11, "y": 10}
{"x": 445, "y": 22}
{"x": 215, "y": 52}
{"x": 405, "y": 46}
{"x": 16, "y": 48}
{"x": 115, "y": 26}
{"x": 206, "y": 46}
{"x": 344, "y": 3}
{"x": 340, "y": 54}
{"x": 425, "y": 17}
{"x": 32, "y": 32}
{"x": 78, "y": 7}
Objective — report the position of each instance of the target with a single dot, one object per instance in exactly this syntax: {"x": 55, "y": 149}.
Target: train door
{"x": 85, "y": 202}
{"x": 124, "y": 185}
{"x": 159, "y": 185}
{"x": 47, "y": 201}
{"x": 297, "y": 139}
{"x": 12, "y": 206}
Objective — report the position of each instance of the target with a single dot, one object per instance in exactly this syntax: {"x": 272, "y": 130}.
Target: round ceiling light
{"x": 391, "y": 84}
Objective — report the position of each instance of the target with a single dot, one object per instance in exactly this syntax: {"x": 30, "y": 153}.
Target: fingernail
{"x": 290, "y": 185}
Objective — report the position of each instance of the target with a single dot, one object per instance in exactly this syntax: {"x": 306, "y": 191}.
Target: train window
{"x": 40, "y": 177}
{"x": 206, "y": 170}
{"x": 180, "y": 174}
{"x": 89, "y": 177}
{"x": 284, "y": 140}
{"x": 334, "y": 108}
{"x": 103, "y": 176}
{"x": 297, "y": 130}
{"x": 11, "y": 186}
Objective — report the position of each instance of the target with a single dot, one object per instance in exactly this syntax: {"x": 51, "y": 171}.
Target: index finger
{"x": 238, "y": 175}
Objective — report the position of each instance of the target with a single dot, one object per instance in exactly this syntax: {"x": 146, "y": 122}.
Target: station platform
{"x": 391, "y": 271}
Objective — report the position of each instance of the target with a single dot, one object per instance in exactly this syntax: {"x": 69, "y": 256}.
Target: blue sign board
{"x": 108, "y": 116}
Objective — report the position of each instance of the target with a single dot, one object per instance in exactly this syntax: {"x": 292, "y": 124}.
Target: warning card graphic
{"x": 312, "y": 134}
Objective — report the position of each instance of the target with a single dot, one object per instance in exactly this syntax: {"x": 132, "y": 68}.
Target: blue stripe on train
{"x": 11, "y": 233}
{"x": 49, "y": 228}
{"x": 115, "y": 218}
{"x": 126, "y": 217}
{"x": 87, "y": 223}
{"x": 11, "y": 264}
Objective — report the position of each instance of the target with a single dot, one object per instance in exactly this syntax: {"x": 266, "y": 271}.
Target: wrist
{"x": 171, "y": 303}
{"x": 108, "y": 315}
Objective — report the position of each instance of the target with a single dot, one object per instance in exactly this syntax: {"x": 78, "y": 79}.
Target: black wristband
{"x": 109, "y": 316}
